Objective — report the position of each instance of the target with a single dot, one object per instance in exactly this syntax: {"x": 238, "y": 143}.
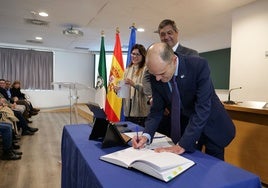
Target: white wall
{"x": 249, "y": 66}
{"x": 76, "y": 67}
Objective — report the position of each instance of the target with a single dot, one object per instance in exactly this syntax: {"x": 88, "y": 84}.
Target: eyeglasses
{"x": 135, "y": 54}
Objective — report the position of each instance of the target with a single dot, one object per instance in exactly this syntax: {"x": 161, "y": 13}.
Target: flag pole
{"x": 133, "y": 26}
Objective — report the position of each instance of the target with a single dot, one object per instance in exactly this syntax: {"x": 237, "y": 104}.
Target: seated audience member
{"x": 6, "y": 122}
{"x": 8, "y": 84}
{"x": 3, "y": 91}
{"x": 7, "y": 116}
{"x": 12, "y": 101}
{"x": 16, "y": 92}
{"x": 8, "y": 152}
{"x": 22, "y": 123}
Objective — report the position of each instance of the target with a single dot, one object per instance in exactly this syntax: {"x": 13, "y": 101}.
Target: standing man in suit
{"x": 168, "y": 33}
{"x": 203, "y": 119}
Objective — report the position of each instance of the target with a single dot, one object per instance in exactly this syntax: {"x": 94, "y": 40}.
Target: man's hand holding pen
{"x": 139, "y": 142}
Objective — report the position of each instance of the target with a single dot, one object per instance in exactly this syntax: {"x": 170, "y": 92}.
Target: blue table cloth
{"x": 81, "y": 167}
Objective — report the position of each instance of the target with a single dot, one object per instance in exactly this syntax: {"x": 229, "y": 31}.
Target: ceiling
{"x": 204, "y": 24}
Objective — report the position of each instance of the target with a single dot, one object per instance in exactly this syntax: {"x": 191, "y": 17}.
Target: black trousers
{"x": 210, "y": 147}
{"x": 22, "y": 122}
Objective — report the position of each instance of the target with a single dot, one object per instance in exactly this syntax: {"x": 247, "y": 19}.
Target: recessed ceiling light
{"x": 38, "y": 38}
{"x": 140, "y": 29}
{"x": 43, "y": 14}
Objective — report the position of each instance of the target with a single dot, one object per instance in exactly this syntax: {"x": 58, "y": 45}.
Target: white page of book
{"x": 164, "y": 165}
{"x": 159, "y": 161}
{"x": 162, "y": 161}
{"x": 159, "y": 140}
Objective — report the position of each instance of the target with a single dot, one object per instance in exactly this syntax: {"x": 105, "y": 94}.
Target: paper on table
{"x": 124, "y": 91}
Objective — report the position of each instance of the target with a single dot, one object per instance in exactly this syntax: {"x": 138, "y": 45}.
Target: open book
{"x": 164, "y": 166}
{"x": 159, "y": 140}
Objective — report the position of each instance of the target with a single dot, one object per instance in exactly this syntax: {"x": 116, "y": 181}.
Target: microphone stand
{"x": 229, "y": 96}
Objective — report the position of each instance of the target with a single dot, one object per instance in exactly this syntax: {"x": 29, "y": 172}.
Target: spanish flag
{"x": 113, "y": 103}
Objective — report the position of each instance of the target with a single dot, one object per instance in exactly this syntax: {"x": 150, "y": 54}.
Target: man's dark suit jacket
{"x": 202, "y": 112}
{"x": 146, "y": 78}
{"x": 4, "y": 93}
{"x": 16, "y": 92}
{"x": 186, "y": 51}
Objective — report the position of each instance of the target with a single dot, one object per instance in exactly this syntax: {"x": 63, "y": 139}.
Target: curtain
{"x": 34, "y": 69}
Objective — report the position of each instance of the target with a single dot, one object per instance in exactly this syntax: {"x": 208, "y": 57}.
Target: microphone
{"x": 229, "y": 96}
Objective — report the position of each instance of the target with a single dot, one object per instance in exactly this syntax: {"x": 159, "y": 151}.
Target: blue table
{"x": 81, "y": 167}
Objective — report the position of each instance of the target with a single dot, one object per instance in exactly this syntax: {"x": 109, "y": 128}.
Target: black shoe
{"x": 17, "y": 152}
{"x": 32, "y": 113}
{"x": 28, "y": 121}
{"x": 24, "y": 133}
{"x": 14, "y": 146}
{"x": 31, "y": 129}
{"x": 36, "y": 110}
{"x": 9, "y": 155}
{"x": 16, "y": 138}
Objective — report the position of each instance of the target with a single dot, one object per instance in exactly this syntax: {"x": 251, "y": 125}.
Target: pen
{"x": 160, "y": 136}
{"x": 137, "y": 132}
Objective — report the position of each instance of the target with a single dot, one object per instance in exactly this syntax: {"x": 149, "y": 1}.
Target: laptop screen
{"x": 97, "y": 110}
{"x": 100, "y": 123}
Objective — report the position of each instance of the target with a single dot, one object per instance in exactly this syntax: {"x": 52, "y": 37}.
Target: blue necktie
{"x": 175, "y": 133}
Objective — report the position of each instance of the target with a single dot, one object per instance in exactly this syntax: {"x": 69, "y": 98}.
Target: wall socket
{"x": 266, "y": 54}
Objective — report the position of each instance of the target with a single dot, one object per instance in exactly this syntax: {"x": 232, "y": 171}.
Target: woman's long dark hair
{"x": 142, "y": 51}
{"x": 14, "y": 83}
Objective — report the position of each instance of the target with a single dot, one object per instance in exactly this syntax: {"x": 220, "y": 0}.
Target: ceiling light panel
{"x": 43, "y": 14}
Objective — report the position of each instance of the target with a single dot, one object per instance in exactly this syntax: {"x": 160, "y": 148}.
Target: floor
{"x": 40, "y": 166}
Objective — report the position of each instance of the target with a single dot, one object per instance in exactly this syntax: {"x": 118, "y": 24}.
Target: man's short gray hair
{"x": 166, "y": 22}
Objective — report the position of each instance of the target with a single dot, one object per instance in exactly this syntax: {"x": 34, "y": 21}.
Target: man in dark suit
{"x": 204, "y": 121}
{"x": 168, "y": 33}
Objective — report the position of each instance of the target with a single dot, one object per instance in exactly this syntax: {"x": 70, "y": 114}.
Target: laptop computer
{"x": 114, "y": 138}
{"x": 97, "y": 110}
{"x": 100, "y": 122}
{"x": 105, "y": 131}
